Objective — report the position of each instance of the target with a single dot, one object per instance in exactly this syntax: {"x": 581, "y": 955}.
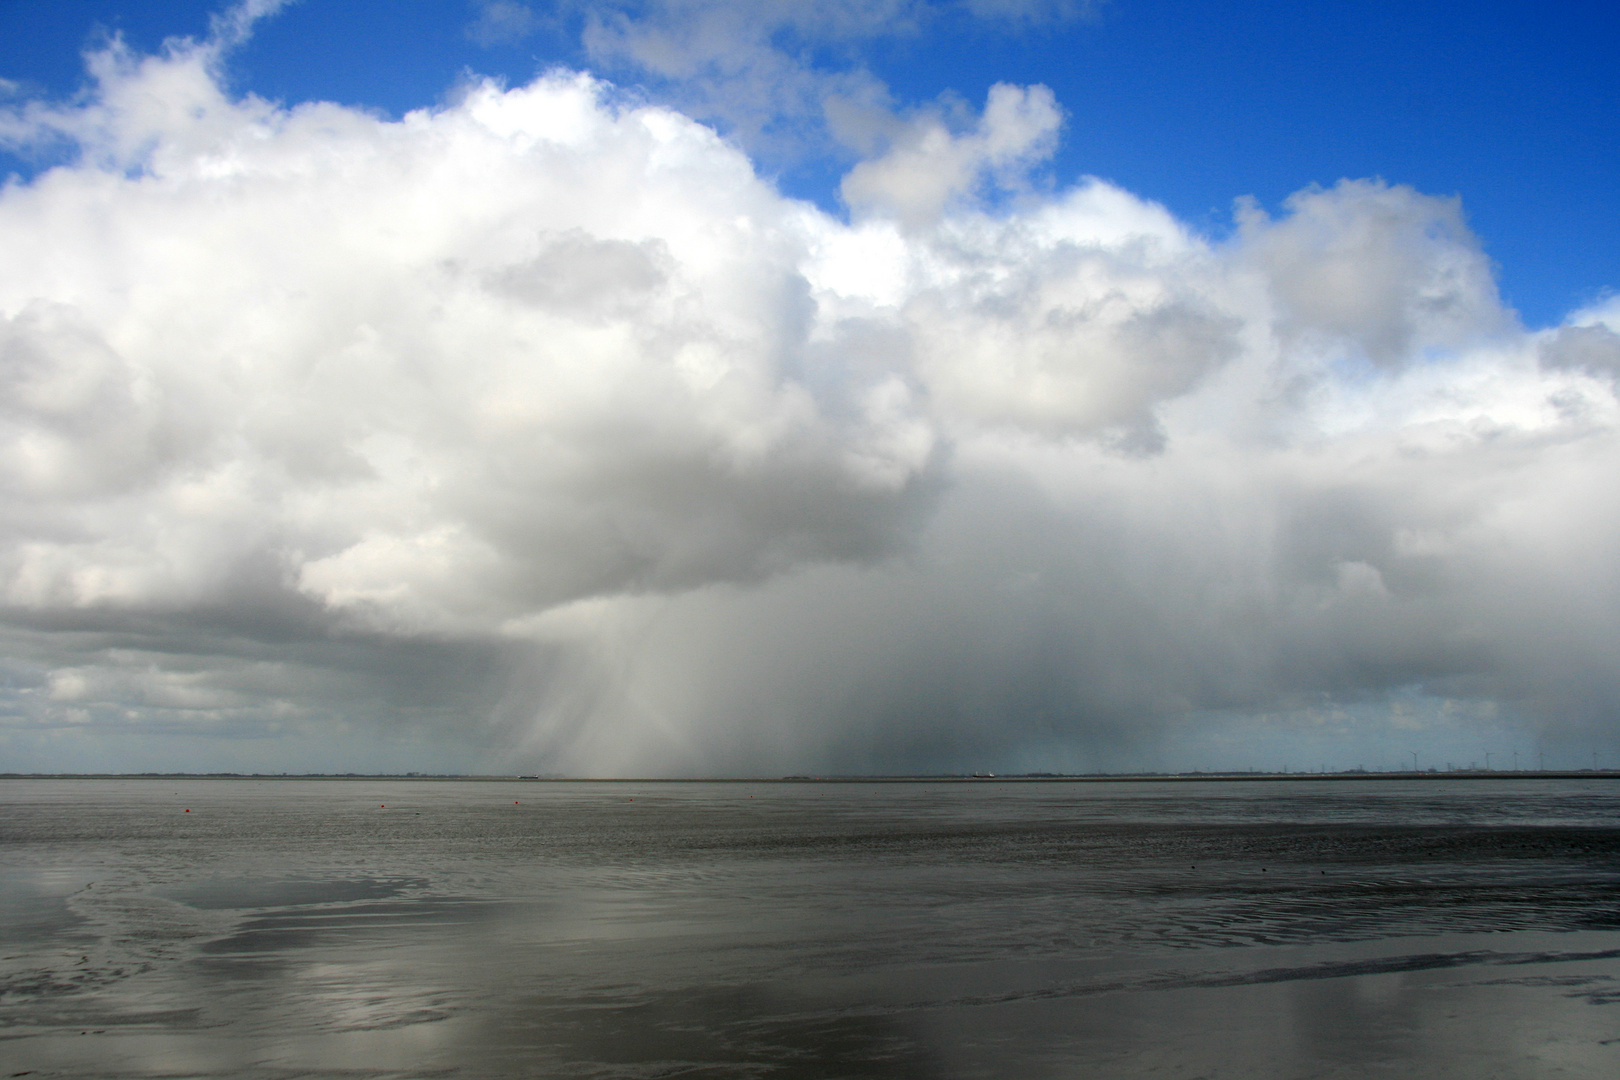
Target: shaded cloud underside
{"x": 540, "y": 422}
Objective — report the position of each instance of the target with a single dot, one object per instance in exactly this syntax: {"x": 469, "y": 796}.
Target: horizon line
{"x": 844, "y": 778}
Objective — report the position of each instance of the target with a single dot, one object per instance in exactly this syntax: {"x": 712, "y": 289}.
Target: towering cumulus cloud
{"x": 539, "y": 424}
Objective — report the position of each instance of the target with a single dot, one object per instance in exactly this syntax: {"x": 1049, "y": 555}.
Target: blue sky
{"x": 1021, "y": 385}
{"x": 1193, "y": 103}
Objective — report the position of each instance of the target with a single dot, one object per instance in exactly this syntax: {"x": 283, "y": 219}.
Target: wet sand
{"x": 370, "y": 928}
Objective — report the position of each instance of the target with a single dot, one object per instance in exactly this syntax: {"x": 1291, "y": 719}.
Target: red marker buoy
{"x": 382, "y": 806}
{"x": 188, "y": 809}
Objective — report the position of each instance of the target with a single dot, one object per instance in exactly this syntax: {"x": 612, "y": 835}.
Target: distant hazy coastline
{"x": 947, "y": 778}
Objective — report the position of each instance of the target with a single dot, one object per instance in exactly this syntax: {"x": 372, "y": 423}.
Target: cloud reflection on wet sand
{"x": 300, "y": 928}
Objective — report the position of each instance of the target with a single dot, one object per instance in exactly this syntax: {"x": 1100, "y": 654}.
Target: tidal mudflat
{"x": 367, "y": 928}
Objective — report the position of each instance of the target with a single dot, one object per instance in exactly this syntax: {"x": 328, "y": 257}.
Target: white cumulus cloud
{"x": 539, "y": 420}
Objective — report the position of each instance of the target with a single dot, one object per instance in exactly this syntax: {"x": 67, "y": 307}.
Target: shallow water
{"x": 364, "y": 928}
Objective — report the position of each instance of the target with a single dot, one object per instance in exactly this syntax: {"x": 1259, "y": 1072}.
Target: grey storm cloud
{"x": 539, "y": 425}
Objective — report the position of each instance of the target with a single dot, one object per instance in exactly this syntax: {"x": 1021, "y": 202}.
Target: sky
{"x": 877, "y": 386}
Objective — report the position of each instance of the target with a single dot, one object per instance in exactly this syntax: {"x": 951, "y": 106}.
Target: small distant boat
{"x": 984, "y": 776}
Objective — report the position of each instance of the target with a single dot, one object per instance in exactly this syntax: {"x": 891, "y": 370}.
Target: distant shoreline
{"x": 1023, "y": 778}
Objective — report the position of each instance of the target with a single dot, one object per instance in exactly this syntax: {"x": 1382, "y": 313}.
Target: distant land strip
{"x": 931, "y": 778}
